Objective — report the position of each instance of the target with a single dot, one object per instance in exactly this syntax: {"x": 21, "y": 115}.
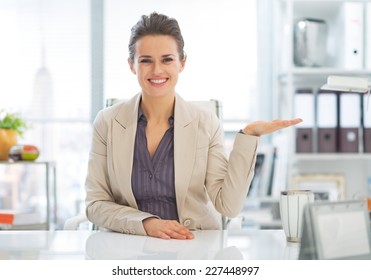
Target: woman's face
{"x": 157, "y": 64}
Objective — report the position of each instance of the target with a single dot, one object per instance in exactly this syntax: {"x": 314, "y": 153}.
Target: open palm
{"x": 259, "y": 128}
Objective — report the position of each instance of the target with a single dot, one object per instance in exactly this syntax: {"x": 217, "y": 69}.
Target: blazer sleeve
{"x": 228, "y": 180}
{"x": 101, "y": 208}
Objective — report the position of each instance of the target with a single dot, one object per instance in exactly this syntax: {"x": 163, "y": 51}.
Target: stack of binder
{"x": 333, "y": 122}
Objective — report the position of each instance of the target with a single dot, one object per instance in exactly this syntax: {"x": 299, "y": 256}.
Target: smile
{"x": 158, "y": 81}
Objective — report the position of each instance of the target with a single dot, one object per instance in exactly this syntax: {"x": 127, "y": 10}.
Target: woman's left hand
{"x": 259, "y": 128}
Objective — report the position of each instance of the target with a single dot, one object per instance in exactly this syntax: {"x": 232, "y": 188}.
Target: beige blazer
{"x": 204, "y": 179}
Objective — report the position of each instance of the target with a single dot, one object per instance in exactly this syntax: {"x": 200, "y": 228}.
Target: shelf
{"x": 334, "y": 156}
{"x": 355, "y": 167}
{"x": 324, "y": 71}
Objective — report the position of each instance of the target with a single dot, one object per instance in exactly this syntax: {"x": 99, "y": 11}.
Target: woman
{"x": 157, "y": 165}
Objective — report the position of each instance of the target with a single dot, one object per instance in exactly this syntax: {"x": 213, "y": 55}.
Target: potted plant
{"x": 11, "y": 126}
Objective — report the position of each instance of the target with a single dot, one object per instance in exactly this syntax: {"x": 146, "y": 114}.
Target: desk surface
{"x": 211, "y": 244}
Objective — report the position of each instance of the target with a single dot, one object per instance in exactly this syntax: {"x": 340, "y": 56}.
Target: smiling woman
{"x": 157, "y": 164}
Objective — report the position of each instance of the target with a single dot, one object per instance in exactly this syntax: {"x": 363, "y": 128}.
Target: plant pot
{"x": 8, "y": 138}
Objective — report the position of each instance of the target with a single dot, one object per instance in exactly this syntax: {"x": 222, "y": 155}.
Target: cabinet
{"x": 289, "y": 78}
{"x": 28, "y": 189}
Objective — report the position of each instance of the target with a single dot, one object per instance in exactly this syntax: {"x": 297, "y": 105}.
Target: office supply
{"x": 310, "y": 37}
{"x": 336, "y": 230}
{"x": 13, "y": 217}
{"x": 350, "y": 35}
{"x": 346, "y": 84}
{"x": 292, "y": 203}
{"x": 325, "y": 186}
{"x": 350, "y": 122}
{"x": 304, "y": 107}
{"x": 327, "y": 113}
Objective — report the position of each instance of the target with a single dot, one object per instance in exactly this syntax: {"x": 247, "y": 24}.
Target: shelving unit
{"x": 355, "y": 167}
{"x": 29, "y": 187}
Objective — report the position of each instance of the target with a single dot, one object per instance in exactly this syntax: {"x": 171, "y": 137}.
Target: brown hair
{"x": 156, "y": 24}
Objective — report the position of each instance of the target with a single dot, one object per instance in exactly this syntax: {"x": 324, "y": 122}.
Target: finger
{"x": 163, "y": 235}
{"x": 177, "y": 235}
{"x": 181, "y": 230}
{"x": 296, "y": 121}
{"x": 190, "y": 235}
{"x": 187, "y": 233}
{"x": 286, "y": 123}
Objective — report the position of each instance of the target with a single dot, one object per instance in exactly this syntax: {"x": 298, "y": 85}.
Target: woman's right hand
{"x": 166, "y": 229}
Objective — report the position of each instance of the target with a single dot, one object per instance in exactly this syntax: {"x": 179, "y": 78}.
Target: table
{"x": 101, "y": 245}
{"x": 30, "y": 185}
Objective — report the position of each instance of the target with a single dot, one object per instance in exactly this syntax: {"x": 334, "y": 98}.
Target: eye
{"x": 145, "y": 60}
{"x": 167, "y": 59}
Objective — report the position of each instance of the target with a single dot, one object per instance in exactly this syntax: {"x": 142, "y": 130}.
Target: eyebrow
{"x": 148, "y": 56}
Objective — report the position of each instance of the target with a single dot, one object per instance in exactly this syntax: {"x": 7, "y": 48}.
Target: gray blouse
{"x": 153, "y": 179}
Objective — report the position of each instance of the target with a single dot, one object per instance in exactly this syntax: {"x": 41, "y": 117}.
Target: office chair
{"x": 213, "y": 105}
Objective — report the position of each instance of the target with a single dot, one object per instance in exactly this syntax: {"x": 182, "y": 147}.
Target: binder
{"x": 304, "y": 108}
{"x": 366, "y": 126}
{"x": 350, "y": 122}
{"x": 350, "y": 41}
{"x": 327, "y": 118}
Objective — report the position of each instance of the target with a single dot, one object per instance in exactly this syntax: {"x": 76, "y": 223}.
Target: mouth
{"x": 158, "y": 82}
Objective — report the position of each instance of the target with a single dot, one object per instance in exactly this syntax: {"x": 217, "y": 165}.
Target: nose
{"x": 157, "y": 68}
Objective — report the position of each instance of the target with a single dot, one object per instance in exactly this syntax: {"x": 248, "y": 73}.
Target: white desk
{"x": 213, "y": 244}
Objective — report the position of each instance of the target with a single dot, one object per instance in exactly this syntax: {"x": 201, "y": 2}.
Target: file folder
{"x": 304, "y": 108}
{"x": 350, "y": 122}
{"x": 327, "y": 111}
{"x": 366, "y": 126}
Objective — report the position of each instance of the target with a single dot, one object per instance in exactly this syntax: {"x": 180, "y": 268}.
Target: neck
{"x": 157, "y": 108}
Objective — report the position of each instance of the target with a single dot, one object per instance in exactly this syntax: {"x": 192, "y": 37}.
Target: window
{"x": 45, "y": 75}
{"x": 45, "y": 70}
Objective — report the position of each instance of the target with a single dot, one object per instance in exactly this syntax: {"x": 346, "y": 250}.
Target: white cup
{"x": 292, "y": 203}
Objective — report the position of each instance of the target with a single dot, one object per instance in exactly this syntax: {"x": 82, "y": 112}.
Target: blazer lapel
{"x": 123, "y": 141}
{"x": 185, "y": 139}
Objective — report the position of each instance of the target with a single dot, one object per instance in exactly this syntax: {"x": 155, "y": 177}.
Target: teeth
{"x": 158, "y": 81}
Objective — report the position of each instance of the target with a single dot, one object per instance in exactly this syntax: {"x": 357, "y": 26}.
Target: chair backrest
{"x": 212, "y": 105}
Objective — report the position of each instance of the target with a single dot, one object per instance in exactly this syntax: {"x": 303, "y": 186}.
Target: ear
{"x": 131, "y": 65}
{"x": 182, "y": 64}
